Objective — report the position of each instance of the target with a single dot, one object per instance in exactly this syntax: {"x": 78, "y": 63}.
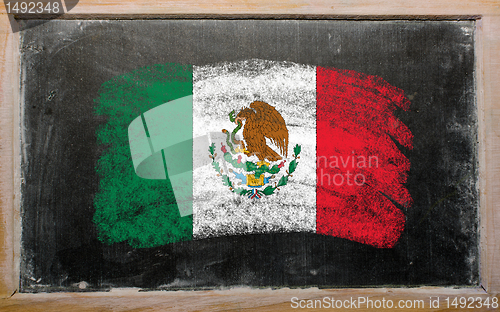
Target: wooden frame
{"x": 488, "y": 77}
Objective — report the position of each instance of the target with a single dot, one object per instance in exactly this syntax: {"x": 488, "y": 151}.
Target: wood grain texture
{"x": 490, "y": 207}
{"x": 242, "y": 299}
{"x": 8, "y": 93}
{"x": 298, "y": 7}
{"x": 488, "y": 77}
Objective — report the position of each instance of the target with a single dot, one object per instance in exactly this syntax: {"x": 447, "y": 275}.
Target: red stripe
{"x": 355, "y": 122}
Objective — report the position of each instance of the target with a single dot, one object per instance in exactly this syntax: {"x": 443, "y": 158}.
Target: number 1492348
{"x": 472, "y": 302}
{"x": 33, "y": 7}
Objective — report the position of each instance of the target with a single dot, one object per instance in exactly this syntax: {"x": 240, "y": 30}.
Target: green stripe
{"x": 128, "y": 208}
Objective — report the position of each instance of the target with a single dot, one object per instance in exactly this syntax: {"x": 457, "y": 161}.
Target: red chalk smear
{"x": 355, "y": 119}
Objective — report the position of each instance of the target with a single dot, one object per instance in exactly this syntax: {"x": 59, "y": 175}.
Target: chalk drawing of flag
{"x": 340, "y": 173}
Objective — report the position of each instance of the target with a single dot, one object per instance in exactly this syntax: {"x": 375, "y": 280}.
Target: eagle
{"x": 263, "y": 121}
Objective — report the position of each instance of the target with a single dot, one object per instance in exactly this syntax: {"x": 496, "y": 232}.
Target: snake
{"x": 230, "y": 138}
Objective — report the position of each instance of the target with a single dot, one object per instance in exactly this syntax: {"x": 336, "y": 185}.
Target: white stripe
{"x": 291, "y": 89}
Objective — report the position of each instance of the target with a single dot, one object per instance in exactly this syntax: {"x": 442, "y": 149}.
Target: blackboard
{"x": 66, "y": 63}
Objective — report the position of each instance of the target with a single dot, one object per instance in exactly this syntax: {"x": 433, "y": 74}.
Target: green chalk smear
{"x": 128, "y": 208}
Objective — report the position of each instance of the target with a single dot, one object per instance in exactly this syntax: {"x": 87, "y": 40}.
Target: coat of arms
{"x": 254, "y": 164}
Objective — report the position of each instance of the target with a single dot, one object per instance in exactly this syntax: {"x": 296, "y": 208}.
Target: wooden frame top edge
{"x": 160, "y": 16}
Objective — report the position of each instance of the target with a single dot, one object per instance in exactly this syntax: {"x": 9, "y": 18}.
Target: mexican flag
{"x": 246, "y": 147}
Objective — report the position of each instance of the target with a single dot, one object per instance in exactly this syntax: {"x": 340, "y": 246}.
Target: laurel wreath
{"x": 253, "y": 167}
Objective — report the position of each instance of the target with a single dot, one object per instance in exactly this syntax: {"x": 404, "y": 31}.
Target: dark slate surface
{"x": 65, "y": 62}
